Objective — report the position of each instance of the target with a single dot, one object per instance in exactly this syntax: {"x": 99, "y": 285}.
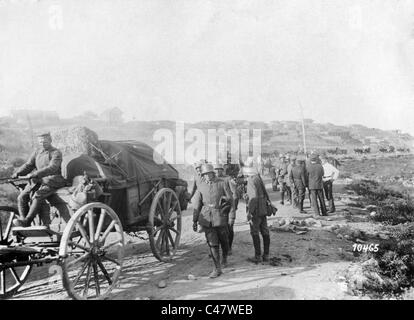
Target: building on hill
{"x": 112, "y": 116}
{"x": 34, "y": 116}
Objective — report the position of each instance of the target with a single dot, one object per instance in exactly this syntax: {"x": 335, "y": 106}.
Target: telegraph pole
{"x": 303, "y": 129}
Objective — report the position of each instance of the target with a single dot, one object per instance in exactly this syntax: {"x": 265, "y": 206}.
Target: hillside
{"x": 279, "y": 136}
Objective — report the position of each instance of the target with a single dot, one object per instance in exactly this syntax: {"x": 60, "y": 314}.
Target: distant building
{"x": 35, "y": 116}
{"x": 112, "y": 116}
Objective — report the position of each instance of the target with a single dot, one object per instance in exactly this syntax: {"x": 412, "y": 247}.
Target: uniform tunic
{"x": 256, "y": 202}
{"x": 207, "y": 203}
{"x": 210, "y": 213}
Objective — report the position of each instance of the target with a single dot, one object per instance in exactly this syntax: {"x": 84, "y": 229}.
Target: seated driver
{"x": 43, "y": 168}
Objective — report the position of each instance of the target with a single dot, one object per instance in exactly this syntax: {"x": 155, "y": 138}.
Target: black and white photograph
{"x": 186, "y": 151}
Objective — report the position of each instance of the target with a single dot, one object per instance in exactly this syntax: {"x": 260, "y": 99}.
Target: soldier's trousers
{"x": 299, "y": 194}
{"x": 218, "y": 236}
{"x": 318, "y": 201}
{"x": 259, "y": 225}
{"x": 284, "y": 188}
{"x": 327, "y": 187}
{"x": 40, "y": 192}
{"x": 231, "y": 235}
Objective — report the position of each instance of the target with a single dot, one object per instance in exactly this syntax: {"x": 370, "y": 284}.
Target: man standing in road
{"x": 281, "y": 177}
{"x": 298, "y": 181}
{"x": 330, "y": 175}
{"x": 211, "y": 206}
{"x": 315, "y": 175}
{"x": 43, "y": 168}
{"x": 289, "y": 185}
{"x": 219, "y": 168}
{"x": 256, "y": 214}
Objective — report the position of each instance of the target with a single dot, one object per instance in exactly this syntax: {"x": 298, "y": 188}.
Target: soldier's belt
{"x": 213, "y": 206}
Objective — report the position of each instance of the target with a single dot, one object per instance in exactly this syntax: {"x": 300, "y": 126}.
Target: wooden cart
{"x": 88, "y": 243}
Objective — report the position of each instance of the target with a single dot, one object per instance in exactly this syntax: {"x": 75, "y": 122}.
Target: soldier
{"x": 213, "y": 200}
{"x": 315, "y": 173}
{"x": 289, "y": 186}
{"x": 298, "y": 181}
{"x": 256, "y": 214}
{"x": 330, "y": 175}
{"x": 43, "y": 168}
{"x": 231, "y": 183}
{"x": 273, "y": 176}
{"x": 281, "y": 177}
{"x": 197, "y": 178}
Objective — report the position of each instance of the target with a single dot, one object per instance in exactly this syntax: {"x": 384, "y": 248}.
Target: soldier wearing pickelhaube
{"x": 43, "y": 168}
{"x": 232, "y": 184}
{"x": 212, "y": 203}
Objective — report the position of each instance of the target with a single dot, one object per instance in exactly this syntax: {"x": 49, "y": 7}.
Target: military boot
{"x": 224, "y": 261}
{"x": 266, "y": 247}
{"x": 301, "y": 207}
{"x": 215, "y": 255}
{"x": 257, "y": 251}
{"x": 27, "y": 221}
{"x": 23, "y": 208}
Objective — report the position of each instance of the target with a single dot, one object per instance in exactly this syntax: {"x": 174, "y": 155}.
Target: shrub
{"x": 394, "y": 206}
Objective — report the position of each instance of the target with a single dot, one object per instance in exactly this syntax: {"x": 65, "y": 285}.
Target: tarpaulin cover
{"x": 123, "y": 163}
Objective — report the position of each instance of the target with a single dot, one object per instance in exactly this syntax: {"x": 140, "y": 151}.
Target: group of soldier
{"x": 215, "y": 197}
{"x": 316, "y": 174}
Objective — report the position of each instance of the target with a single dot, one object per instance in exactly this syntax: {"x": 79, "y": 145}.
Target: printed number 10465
{"x": 365, "y": 247}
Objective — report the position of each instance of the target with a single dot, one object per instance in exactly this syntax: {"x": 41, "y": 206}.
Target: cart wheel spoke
{"x": 8, "y": 227}
{"x": 100, "y": 223}
{"x": 3, "y": 282}
{"x": 157, "y": 243}
{"x": 102, "y": 267}
{"x": 77, "y": 245}
{"x": 167, "y": 247}
{"x": 105, "y": 234}
{"x": 174, "y": 230}
{"x": 84, "y": 233}
{"x": 96, "y": 278}
{"x": 15, "y": 276}
{"x": 82, "y": 257}
{"x": 88, "y": 278}
{"x": 171, "y": 239}
{"x": 111, "y": 260}
{"x": 91, "y": 226}
{"x": 80, "y": 273}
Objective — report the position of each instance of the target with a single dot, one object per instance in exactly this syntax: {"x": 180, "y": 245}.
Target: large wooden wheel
{"x": 92, "y": 252}
{"x": 164, "y": 224}
{"x": 11, "y": 278}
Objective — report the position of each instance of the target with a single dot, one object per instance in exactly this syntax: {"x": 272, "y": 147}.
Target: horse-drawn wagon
{"x": 123, "y": 189}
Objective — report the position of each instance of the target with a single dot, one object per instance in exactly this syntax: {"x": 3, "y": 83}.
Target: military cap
{"x": 207, "y": 168}
{"x": 293, "y": 158}
{"x": 218, "y": 165}
{"x": 314, "y": 157}
{"x": 43, "y": 134}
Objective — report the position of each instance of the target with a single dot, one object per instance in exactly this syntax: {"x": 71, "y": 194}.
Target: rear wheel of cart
{"x": 11, "y": 278}
{"x": 92, "y": 252}
{"x": 164, "y": 224}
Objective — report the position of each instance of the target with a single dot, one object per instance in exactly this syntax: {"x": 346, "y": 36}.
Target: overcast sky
{"x": 189, "y": 60}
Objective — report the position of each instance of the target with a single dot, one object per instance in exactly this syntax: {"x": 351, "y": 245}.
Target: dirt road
{"x": 310, "y": 267}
